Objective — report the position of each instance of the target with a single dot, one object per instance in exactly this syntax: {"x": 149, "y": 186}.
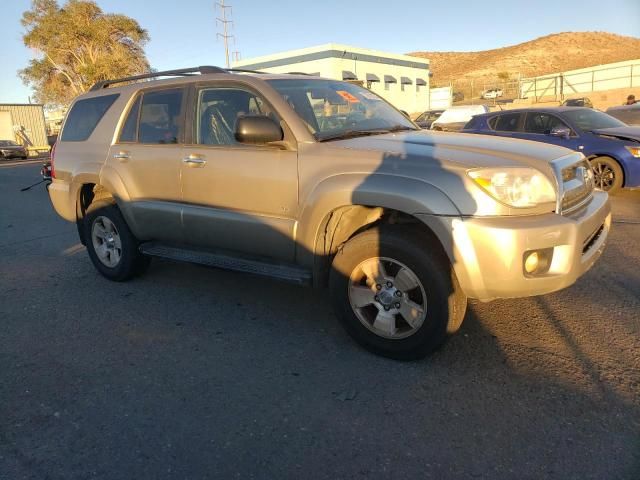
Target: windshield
{"x": 589, "y": 119}
{"x": 8, "y": 143}
{"x": 332, "y": 109}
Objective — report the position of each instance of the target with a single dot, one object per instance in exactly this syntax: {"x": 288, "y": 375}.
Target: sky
{"x": 183, "y": 32}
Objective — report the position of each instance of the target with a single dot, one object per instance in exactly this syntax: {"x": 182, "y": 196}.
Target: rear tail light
{"x": 53, "y": 152}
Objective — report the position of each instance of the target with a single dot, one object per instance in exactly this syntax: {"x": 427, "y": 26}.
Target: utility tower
{"x": 226, "y": 24}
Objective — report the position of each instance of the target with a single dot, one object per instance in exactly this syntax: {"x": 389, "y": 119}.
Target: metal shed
{"x": 25, "y": 124}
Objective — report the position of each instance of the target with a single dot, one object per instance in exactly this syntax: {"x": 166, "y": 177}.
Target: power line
{"x": 226, "y": 24}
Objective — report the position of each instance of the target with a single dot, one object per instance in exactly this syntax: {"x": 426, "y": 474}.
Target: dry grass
{"x": 552, "y": 53}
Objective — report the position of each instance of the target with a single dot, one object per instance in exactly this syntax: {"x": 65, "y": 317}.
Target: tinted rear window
{"x": 84, "y": 117}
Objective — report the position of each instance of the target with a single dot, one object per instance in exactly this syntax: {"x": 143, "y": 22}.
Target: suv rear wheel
{"x": 395, "y": 293}
{"x": 112, "y": 247}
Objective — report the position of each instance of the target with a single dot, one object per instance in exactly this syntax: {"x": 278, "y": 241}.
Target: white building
{"x": 400, "y": 79}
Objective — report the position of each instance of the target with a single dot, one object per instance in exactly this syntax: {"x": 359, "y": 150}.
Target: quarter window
{"x": 160, "y": 117}
{"x": 85, "y": 116}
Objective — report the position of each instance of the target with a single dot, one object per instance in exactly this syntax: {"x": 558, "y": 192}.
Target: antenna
{"x": 225, "y": 23}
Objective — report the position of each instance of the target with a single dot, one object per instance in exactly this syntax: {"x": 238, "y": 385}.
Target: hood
{"x": 464, "y": 150}
{"x": 622, "y": 133}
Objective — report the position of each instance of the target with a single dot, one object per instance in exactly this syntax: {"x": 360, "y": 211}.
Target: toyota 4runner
{"x": 322, "y": 182}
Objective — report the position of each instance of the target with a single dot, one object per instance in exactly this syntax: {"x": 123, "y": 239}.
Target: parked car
{"x": 239, "y": 171}
{"x": 491, "y": 93}
{"x": 11, "y": 149}
{"x": 455, "y": 118}
{"x": 577, "y": 102}
{"x": 629, "y": 114}
{"x": 425, "y": 119}
{"x": 612, "y": 147}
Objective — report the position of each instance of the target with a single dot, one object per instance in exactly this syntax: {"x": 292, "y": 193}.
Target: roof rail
{"x": 204, "y": 69}
{"x": 302, "y": 73}
{"x": 242, "y": 70}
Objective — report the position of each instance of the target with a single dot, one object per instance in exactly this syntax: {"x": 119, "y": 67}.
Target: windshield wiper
{"x": 362, "y": 133}
{"x": 352, "y": 134}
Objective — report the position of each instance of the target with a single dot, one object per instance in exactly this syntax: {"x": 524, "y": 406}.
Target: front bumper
{"x": 488, "y": 252}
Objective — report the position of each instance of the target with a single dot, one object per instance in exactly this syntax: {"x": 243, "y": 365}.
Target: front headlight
{"x": 635, "y": 151}
{"x": 517, "y": 187}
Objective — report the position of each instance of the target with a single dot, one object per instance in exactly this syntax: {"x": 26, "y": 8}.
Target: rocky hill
{"x": 549, "y": 54}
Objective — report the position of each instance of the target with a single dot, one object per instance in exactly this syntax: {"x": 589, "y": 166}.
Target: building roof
{"x": 331, "y": 50}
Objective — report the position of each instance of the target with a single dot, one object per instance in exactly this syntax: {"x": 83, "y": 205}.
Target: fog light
{"x": 537, "y": 262}
{"x": 531, "y": 262}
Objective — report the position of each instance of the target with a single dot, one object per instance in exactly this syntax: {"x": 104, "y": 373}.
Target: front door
{"x": 146, "y": 158}
{"x": 539, "y": 125}
{"x": 237, "y": 197}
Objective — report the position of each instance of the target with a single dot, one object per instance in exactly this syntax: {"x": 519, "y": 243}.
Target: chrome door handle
{"x": 122, "y": 156}
{"x": 194, "y": 161}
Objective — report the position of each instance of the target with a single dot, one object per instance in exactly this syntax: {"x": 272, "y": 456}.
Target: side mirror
{"x": 562, "y": 132}
{"x": 257, "y": 129}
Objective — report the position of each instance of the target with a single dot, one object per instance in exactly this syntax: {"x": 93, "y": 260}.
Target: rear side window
{"x": 160, "y": 118}
{"x": 130, "y": 129}
{"x": 507, "y": 122}
{"x": 85, "y": 116}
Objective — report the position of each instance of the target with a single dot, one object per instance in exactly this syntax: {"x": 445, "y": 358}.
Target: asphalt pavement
{"x": 191, "y": 373}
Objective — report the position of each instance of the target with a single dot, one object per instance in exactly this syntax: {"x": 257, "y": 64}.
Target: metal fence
{"x": 470, "y": 90}
{"x": 562, "y": 85}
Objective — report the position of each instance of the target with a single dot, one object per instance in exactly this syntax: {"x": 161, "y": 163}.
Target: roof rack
{"x": 202, "y": 70}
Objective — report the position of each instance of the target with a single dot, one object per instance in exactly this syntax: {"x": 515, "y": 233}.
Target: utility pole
{"x": 226, "y": 24}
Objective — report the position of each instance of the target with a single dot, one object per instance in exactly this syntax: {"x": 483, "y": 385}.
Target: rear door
{"x": 237, "y": 197}
{"x": 146, "y": 157}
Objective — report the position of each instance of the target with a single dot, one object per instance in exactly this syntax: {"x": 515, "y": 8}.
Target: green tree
{"x": 77, "y": 45}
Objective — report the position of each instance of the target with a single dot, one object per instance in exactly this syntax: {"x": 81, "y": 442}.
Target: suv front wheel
{"x": 395, "y": 292}
{"x": 112, "y": 247}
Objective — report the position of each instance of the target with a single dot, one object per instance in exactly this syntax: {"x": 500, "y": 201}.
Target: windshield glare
{"x": 331, "y": 108}
{"x": 589, "y": 119}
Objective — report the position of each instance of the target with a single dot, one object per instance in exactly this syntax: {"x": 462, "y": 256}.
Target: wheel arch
{"x": 341, "y": 207}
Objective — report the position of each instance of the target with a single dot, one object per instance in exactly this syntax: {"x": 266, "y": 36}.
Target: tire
{"x": 124, "y": 261}
{"x": 430, "y": 286}
{"x": 608, "y": 175}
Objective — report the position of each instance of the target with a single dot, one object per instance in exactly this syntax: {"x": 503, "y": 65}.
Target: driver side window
{"x": 219, "y": 109}
{"x": 542, "y": 123}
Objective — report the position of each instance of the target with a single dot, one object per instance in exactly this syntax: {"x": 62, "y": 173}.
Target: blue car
{"x": 612, "y": 147}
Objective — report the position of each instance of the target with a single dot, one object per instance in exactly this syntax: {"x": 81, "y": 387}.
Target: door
{"x": 146, "y": 157}
{"x": 539, "y": 125}
{"x": 237, "y": 197}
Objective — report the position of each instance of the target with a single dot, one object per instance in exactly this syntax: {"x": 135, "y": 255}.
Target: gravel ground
{"x": 191, "y": 372}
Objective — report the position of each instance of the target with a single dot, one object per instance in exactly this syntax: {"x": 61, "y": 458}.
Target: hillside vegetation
{"x": 549, "y": 54}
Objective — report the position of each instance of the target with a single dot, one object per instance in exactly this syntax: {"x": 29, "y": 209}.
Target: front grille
{"x": 577, "y": 186}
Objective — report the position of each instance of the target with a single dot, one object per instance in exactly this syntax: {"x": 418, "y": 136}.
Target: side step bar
{"x": 289, "y": 273}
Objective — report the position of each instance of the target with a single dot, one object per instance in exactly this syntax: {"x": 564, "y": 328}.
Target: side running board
{"x": 289, "y": 273}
